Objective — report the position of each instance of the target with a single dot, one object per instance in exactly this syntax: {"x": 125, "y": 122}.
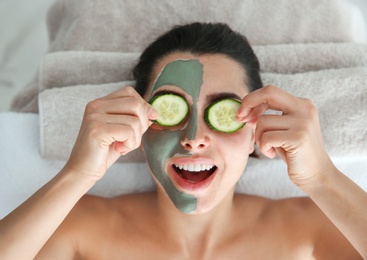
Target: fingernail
{"x": 242, "y": 113}
{"x": 241, "y": 118}
{"x": 153, "y": 113}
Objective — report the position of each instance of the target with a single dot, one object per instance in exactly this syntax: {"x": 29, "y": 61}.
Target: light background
{"x": 23, "y": 41}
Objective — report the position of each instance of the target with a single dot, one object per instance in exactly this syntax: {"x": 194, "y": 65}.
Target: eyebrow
{"x": 222, "y": 95}
{"x": 163, "y": 92}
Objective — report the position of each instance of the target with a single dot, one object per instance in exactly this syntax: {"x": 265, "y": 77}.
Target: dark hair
{"x": 198, "y": 38}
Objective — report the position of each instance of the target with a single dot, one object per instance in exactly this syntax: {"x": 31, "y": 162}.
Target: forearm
{"x": 345, "y": 204}
{"x": 24, "y": 231}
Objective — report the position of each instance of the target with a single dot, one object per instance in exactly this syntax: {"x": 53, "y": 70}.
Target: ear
{"x": 252, "y": 144}
{"x": 252, "y": 125}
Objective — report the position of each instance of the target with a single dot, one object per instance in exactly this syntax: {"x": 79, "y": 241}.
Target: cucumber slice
{"x": 221, "y": 115}
{"x": 172, "y": 109}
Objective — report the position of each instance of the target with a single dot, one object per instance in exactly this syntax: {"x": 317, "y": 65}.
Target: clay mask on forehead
{"x": 160, "y": 145}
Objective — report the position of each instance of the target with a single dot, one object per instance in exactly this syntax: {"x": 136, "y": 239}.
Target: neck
{"x": 195, "y": 231}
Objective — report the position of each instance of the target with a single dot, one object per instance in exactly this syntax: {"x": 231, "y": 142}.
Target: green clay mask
{"x": 160, "y": 145}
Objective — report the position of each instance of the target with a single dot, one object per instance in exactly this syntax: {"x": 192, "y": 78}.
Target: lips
{"x": 194, "y": 173}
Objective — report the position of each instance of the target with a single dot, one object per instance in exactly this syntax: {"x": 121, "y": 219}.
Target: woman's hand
{"x": 112, "y": 126}
{"x": 294, "y": 135}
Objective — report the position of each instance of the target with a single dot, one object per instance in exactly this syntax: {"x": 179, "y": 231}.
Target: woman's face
{"x": 196, "y": 166}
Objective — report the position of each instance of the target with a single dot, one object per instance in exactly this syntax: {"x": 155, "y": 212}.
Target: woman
{"x": 194, "y": 213}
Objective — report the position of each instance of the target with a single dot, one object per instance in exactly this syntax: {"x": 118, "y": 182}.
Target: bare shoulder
{"x": 283, "y": 213}
{"x": 98, "y": 208}
{"x": 327, "y": 241}
{"x": 280, "y": 207}
{"x": 115, "y": 213}
{"x": 301, "y": 225}
{"x": 93, "y": 218}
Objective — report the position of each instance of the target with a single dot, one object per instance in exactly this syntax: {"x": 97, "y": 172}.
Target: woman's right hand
{"x": 112, "y": 126}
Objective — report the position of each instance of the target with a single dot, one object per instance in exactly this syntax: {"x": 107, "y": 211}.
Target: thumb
{"x": 281, "y": 153}
{"x": 121, "y": 148}
{"x": 153, "y": 114}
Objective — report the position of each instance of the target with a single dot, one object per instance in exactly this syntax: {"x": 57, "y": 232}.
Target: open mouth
{"x": 194, "y": 173}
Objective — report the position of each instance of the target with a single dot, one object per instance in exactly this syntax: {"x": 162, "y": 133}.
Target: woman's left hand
{"x": 294, "y": 135}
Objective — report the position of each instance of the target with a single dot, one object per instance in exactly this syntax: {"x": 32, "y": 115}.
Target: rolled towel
{"x": 340, "y": 96}
{"x": 116, "y": 26}
{"x": 298, "y": 58}
{"x": 129, "y": 26}
{"x": 61, "y": 114}
{"x": 70, "y": 68}
{"x": 60, "y": 69}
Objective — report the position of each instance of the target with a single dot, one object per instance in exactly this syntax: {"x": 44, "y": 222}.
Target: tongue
{"x": 195, "y": 176}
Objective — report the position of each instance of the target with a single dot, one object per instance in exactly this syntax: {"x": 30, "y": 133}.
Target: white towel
{"x": 68, "y": 68}
{"x": 340, "y": 96}
{"x": 129, "y": 26}
{"x": 60, "y": 123}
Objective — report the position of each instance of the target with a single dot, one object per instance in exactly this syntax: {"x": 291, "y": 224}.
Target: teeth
{"x": 194, "y": 167}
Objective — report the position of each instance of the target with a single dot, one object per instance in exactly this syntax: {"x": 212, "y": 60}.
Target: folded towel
{"x": 60, "y": 69}
{"x": 340, "y": 96}
{"x": 129, "y": 26}
{"x": 297, "y": 58}
{"x": 60, "y": 122}
{"x": 70, "y": 68}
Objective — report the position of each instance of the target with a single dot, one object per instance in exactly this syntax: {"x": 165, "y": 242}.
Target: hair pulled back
{"x": 198, "y": 39}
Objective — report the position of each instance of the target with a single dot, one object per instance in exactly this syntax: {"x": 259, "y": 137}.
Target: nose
{"x": 196, "y": 135}
{"x": 198, "y": 143}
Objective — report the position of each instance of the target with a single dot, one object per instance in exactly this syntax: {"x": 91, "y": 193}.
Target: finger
{"x": 266, "y": 123}
{"x": 121, "y": 148}
{"x": 133, "y": 106}
{"x": 271, "y": 141}
{"x": 123, "y": 106}
{"x": 281, "y": 153}
{"x": 123, "y": 92}
{"x": 100, "y": 119}
{"x": 120, "y": 105}
{"x": 126, "y": 137}
{"x": 113, "y": 156}
{"x": 254, "y": 113}
{"x": 275, "y": 98}
{"x": 135, "y": 124}
{"x": 139, "y": 124}
{"x": 104, "y": 134}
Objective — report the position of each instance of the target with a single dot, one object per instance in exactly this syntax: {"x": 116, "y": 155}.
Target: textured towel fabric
{"x": 94, "y": 45}
{"x": 129, "y": 26}
{"x": 60, "y": 122}
{"x": 23, "y": 170}
{"x": 59, "y": 69}
{"x": 340, "y": 96}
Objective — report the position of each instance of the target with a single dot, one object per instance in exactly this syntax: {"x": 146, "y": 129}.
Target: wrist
{"x": 320, "y": 181}
{"x": 74, "y": 178}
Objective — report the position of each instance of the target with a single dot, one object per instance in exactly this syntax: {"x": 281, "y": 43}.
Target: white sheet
{"x": 23, "y": 171}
